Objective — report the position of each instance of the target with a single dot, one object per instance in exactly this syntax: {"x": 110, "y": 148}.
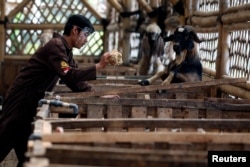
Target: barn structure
{"x": 143, "y": 127}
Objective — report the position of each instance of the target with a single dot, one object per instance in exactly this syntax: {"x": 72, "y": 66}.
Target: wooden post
{"x": 145, "y": 6}
{"x": 2, "y": 41}
{"x": 125, "y": 40}
{"x": 116, "y": 5}
{"x": 222, "y": 61}
{"x": 190, "y": 11}
{"x": 2, "y": 32}
{"x": 91, "y": 9}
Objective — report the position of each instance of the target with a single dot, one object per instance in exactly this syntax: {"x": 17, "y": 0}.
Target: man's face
{"x": 81, "y": 37}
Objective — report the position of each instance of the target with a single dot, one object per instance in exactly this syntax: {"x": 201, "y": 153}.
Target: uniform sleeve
{"x": 73, "y": 77}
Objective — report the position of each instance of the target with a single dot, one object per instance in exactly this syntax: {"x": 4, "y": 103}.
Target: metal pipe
{"x": 58, "y": 103}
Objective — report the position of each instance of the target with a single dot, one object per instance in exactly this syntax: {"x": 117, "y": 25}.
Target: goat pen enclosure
{"x": 223, "y": 26}
{"x": 142, "y": 128}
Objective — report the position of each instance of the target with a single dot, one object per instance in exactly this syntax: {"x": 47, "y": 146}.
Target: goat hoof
{"x": 143, "y": 82}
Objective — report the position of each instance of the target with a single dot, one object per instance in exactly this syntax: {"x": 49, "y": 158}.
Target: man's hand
{"x": 104, "y": 61}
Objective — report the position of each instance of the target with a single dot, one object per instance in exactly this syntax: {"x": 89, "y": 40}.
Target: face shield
{"x": 88, "y": 33}
{"x": 86, "y": 30}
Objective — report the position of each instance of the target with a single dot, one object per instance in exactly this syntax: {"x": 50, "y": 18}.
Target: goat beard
{"x": 181, "y": 57}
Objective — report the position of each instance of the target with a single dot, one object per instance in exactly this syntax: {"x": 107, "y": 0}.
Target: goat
{"x": 151, "y": 50}
{"x": 186, "y": 67}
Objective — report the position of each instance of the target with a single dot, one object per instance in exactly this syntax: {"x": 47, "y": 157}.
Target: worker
{"x": 41, "y": 73}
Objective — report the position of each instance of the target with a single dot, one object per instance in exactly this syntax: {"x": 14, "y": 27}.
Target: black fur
{"x": 190, "y": 66}
{"x": 184, "y": 69}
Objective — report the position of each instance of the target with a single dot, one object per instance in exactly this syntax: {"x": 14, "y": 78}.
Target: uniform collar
{"x": 57, "y": 35}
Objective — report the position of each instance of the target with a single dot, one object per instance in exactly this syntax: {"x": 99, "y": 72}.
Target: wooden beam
{"x": 150, "y": 88}
{"x": 148, "y": 137}
{"x": 173, "y": 103}
{"x": 242, "y": 16}
{"x": 225, "y": 124}
{"x": 145, "y": 6}
{"x": 2, "y": 35}
{"x": 91, "y": 9}
{"x": 123, "y": 156}
{"x": 235, "y": 9}
{"x": 18, "y": 8}
{"x": 44, "y": 26}
{"x": 116, "y": 5}
{"x": 236, "y": 91}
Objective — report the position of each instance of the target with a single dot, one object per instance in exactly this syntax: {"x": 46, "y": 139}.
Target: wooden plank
{"x": 147, "y": 137}
{"x": 114, "y": 112}
{"x": 214, "y": 113}
{"x": 150, "y": 88}
{"x": 225, "y": 124}
{"x": 163, "y": 113}
{"x": 138, "y": 112}
{"x": 191, "y": 113}
{"x": 181, "y": 95}
{"x": 95, "y": 111}
{"x": 227, "y": 100}
{"x": 180, "y": 107}
{"x": 102, "y": 156}
{"x": 105, "y": 85}
{"x": 169, "y": 103}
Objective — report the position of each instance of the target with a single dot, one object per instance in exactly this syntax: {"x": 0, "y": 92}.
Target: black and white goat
{"x": 186, "y": 67}
{"x": 152, "y": 50}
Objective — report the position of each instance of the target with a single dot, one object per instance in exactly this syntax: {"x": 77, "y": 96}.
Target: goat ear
{"x": 169, "y": 38}
{"x": 195, "y": 36}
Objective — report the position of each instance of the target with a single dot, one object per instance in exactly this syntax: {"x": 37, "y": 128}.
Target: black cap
{"x": 80, "y": 21}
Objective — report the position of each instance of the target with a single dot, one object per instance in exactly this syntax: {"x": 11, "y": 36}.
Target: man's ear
{"x": 75, "y": 30}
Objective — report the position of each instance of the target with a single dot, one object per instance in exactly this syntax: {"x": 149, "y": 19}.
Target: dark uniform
{"x": 42, "y": 71}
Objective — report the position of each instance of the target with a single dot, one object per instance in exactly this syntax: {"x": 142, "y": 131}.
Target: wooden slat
{"x": 172, "y": 103}
{"x": 114, "y": 112}
{"x": 158, "y": 122}
{"x": 95, "y": 111}
{"x": 159, "y": 87}
{"x": 148, "y": 137}
{"x": 181, "y": 108}
{"x": 102, "y": 156}
{"x": 109, "y": 85}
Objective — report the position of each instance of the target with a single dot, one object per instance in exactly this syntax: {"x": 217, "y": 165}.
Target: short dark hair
{"x": 79, "y": 21}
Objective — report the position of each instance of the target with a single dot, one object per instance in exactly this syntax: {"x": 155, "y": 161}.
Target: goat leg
{"x": 182, "y": 77}
{"x": 168, "y": 80}
{"x": 152, "y": 79}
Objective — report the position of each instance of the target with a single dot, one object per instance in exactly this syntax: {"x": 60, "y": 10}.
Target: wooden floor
{"x": 10, "y": 160}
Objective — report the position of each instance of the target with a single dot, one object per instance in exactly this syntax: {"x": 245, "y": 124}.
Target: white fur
{"x": 153, "y": 27}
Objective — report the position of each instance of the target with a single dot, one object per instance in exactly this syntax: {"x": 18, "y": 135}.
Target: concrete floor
{"x": 10, "y": 160}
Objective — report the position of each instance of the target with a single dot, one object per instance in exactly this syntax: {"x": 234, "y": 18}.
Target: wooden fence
{"x": 142, "y": 127}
